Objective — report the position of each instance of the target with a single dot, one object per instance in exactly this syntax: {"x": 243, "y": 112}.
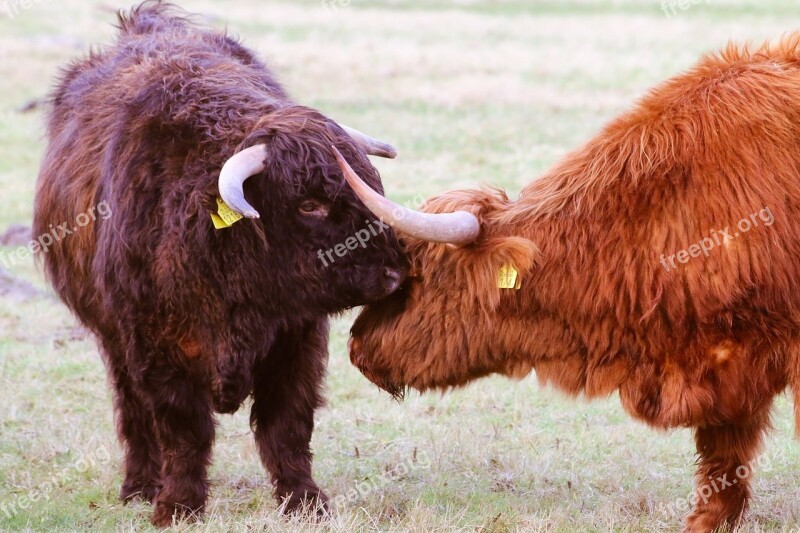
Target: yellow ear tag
{"x": 508, "y": 278}
{"x": 225, "y": 217}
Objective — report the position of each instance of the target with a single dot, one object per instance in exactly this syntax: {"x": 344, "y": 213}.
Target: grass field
{"x": 469, "y": 91}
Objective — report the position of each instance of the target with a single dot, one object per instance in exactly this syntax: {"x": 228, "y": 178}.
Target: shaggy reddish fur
{"x": 706, "y": 345}
{"x": 192, "y": 320}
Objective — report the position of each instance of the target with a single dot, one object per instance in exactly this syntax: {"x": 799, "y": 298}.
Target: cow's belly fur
{"x": 713, "y": 383}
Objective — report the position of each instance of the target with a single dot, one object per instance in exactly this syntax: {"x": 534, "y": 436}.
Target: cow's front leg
{"x": 138, "y": 435}
{"x": 182, "y": 410}
{"x": 723, "y": 473}
{"x": 287, "y": 391}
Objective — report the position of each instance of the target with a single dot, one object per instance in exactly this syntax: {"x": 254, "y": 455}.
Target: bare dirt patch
{"x": 16, "y": 235}
{"x": 12, "y": 287}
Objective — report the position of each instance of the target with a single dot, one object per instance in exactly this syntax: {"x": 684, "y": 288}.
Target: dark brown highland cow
{"x": 190, "y": 319}
{"x": 660, "y": 261}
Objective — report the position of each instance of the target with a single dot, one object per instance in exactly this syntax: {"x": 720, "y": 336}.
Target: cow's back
{"x": 122, "y": 124}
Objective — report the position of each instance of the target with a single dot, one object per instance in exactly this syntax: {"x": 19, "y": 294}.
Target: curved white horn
{"x": 370, "y": 145}
{"x": 235, "y": 172}
{"x": 459, "y": 227}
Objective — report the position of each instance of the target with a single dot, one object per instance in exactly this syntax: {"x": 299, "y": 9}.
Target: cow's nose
{"x": 392, "y": 278}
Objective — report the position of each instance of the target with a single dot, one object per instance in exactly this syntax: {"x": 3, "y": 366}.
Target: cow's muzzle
{"x": 358, "y": 359}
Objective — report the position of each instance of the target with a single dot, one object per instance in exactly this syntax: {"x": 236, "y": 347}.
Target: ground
{"x": 469, "y": 91}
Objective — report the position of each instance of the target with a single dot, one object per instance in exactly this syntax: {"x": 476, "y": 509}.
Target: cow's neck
{"x": 571, "y": 328}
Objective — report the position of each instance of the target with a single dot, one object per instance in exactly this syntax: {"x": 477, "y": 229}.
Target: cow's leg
{"x": 287, "y": 391}
{"x": 134, "y": 426}
{"x": 183, "y": 416}
{"x": 137, "y": 434}
{"x": 724, "y": 471}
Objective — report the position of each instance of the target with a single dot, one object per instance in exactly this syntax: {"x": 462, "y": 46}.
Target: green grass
{"x": 469, "y": 91}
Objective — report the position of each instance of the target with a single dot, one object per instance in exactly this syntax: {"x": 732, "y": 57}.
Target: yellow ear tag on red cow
{"x": 508, "y": 278}
{"x": 225, "y": 217}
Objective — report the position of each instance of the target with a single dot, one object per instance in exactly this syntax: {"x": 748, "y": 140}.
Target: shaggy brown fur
{"x": 707, "y": 344}
{"x": 190, "y": 319}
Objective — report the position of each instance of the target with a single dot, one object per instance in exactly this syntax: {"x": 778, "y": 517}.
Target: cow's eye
{"x": 313, "y": 208}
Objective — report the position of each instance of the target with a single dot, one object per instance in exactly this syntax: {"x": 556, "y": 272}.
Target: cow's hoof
{"x": 146, "y": 491}
{"x": 311, "y": 503}
{"x": 706, "y": 522}
{"x": 166, "y": 514}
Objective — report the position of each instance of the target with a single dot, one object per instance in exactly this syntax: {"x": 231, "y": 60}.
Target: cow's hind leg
{"x": 286, "y": 394}
{"x": 724, "y": 471}
{"x": 183, "y": 417}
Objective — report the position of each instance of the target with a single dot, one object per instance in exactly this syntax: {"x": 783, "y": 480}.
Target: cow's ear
{"x": 482, "y": 267}
{"x": 520, "y": 253}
